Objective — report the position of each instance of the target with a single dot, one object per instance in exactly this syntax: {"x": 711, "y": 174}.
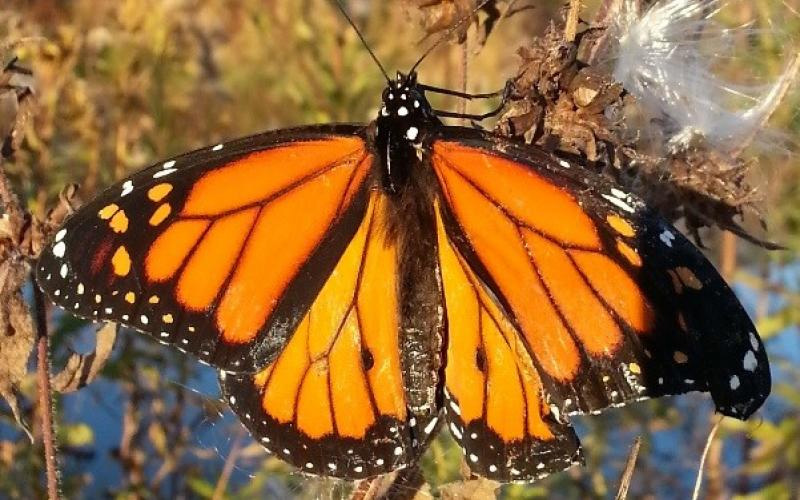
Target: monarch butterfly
{"x": 358, "y": 286}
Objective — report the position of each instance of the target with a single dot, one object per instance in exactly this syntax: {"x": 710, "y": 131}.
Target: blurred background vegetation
{"x": 122, "y": 84}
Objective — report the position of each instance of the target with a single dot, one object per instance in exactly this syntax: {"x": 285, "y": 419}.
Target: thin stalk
{"x": 46, "y": 396}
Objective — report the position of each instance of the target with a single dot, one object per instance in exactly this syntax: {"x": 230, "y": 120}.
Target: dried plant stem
{"x": 571, "y": 26}
{"x": 709, "y": 442}
{"x": 462, "y": 107}
{"x": 627, "y": 474}
{"x": 46, "y": 395}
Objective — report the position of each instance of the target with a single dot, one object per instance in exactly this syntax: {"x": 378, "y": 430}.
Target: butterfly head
{"x": 404, "y": 109}
{"x": 404, "y": 120}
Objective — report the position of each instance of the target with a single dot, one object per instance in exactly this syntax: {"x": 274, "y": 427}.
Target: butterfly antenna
{"x": 448, "y": 33}
{"x": 363, "y": 40}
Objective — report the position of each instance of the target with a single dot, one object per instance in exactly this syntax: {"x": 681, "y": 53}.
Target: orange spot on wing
{"x": 621, "y": 226}
{"x": 287, "y": 240}
{"x": 171, "y": 248}
{"x": 682, "y": 322}
{"x": 587, "y": 316}
{"x": 119, "y": 222}
{"x": 688, "y": 278}
{"x": 351, "y": 402}
{"x": 676, "y": 281}
{"x": 159, "y": 191}
{"x": 213, "y": 259}
{"x": 255, "y": 177}
{"x": 106, "y": 212}
{"x": 527, "y": 196}
{"x": 629, "y": 254}
{"x": 130, "y": 297}
{"x": 121, "y": 262}
{"x": 617, "y": 288}
{"x": 161, "y": 213}
{"x": 498, "y": 244}
{"x": 313, "y": 404}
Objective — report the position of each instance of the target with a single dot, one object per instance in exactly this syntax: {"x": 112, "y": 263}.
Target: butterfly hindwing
{"x": 220, "y": 251}
{"x": 335, "y": 401}
{"x": 585, "y": 276}
{"x": 494, "y": 399}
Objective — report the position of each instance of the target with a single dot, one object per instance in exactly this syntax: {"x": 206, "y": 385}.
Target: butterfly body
{"x": 360, "y": 286}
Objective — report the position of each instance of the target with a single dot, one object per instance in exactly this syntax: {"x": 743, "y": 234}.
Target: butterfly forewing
{"x": 611, "y": 302}
{"x": 219, "y": 251}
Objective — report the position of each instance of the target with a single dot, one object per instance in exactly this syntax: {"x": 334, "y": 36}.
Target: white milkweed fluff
{"x": 666, "y": 57}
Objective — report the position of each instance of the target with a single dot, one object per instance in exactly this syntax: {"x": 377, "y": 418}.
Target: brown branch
{"x": 627, "y": 474}
{"x": 46, "y": 395}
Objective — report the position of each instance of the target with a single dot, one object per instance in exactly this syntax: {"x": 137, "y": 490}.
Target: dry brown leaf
{"x": 17, "y": 339}
{"x": 17, "y": 88}
{"x": 439, "y": 16}
{"x": 82, "y": 369}
{"x": 404, "y": 484}
{"x": 477, "y": 489}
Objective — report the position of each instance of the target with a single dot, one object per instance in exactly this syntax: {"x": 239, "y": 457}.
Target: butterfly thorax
{"x": 403, "y": 120}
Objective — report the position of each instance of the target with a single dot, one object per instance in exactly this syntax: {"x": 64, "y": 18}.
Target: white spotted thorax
{"x": 401, "y": 125}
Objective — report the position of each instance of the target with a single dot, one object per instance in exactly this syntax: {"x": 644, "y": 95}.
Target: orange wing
{"x": 223, "y": 257}
{"x": 495, "y": 401}
{"x": 334, "y": 402}
{"x": 566, "y": 272}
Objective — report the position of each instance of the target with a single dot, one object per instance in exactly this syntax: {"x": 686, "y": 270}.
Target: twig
{"x": 462, "y": 107}
{"x": 46, "y": 395}
{"x": 571, "y": 25}
{"x": 627, "y": 474}
{"x": 699, "y": 481}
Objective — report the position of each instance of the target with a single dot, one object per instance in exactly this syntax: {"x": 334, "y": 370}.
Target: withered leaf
{"x": 405, "y": 483}
{"x": 82, "y": 369}
{"x": 473, "y": 488}
{"x": 17, "y": 339}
